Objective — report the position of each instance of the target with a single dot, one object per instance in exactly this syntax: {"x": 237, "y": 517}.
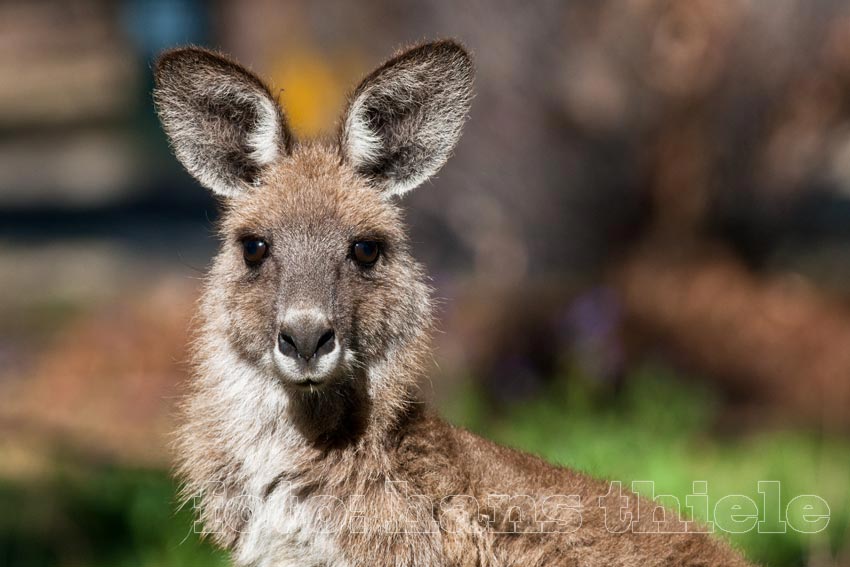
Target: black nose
{"x": 306, "y": 338}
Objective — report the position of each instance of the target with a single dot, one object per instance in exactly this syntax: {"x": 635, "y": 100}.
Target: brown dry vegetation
{"x": 107, "y": 383}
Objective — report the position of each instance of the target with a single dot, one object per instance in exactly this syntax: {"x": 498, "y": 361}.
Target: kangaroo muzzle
{"x": 307, "y": 348}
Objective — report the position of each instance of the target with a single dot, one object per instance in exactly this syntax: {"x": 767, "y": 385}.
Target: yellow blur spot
{"x": 312, "y": 93}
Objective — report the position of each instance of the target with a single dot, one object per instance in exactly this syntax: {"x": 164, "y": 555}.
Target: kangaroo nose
{"x": 306, "y": 337}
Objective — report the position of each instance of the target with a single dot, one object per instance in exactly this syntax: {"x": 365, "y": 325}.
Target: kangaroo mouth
{"x": 310, "y": 374}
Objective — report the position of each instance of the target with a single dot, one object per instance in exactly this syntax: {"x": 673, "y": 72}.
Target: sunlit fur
{"x": 251, "y": 438}
{"x": 223, "y": 124}
{"x": 405, "y": 118}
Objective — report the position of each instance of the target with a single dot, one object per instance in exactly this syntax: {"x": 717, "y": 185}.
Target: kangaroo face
{"x": 314, "y": 279}
{"x": 316, "y": 272}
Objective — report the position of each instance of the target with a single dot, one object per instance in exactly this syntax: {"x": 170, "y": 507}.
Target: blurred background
{"x": 641, "y": 248}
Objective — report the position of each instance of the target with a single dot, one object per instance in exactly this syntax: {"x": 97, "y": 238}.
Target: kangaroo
{"x": 303, "y": 439}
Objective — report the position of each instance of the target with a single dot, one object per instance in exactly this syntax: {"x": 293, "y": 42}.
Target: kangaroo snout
{"x": 306, "y": 340}
{"x": 307, "y": 346}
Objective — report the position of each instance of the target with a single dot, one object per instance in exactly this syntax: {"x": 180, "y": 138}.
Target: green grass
{"x": 660, "y": 429}
{"x": 99, "y": 516}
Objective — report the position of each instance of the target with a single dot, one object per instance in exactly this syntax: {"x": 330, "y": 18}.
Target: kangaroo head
{"x": 314, "y": 284}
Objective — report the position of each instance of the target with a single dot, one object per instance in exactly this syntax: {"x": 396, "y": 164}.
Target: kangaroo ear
{"x": 222, "y": 121}
{"x": 405, "y": 118}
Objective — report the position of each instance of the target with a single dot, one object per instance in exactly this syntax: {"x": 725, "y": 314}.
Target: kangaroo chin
{"x": 303, "y": 438}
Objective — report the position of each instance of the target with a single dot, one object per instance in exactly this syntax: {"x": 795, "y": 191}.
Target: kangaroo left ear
{"x": 405, "y": 118}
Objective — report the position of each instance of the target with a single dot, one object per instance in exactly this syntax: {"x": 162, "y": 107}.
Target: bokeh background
{"x": 641, "y": 247}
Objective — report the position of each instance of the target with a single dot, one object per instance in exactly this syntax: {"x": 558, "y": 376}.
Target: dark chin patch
{"x": 333, "y": 416}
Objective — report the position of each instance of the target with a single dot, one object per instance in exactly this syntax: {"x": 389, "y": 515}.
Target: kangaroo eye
{"x": 365, "y": 252}
{"x": 254, "y": 250}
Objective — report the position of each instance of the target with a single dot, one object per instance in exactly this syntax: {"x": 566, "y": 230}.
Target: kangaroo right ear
{"x": 405, "y": 118}
{"x": 222, "y": 121}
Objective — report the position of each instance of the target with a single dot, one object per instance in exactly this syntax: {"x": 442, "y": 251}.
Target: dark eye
{"x": 254, "y": 250}
{"x": 365, "y": 252}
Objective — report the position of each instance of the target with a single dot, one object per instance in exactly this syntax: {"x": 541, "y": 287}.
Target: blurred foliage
{"x": 663, "y": 429}
{"x": 99, "y": 516}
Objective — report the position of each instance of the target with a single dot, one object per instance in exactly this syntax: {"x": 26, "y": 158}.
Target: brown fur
{"x": 253, "y": 442}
